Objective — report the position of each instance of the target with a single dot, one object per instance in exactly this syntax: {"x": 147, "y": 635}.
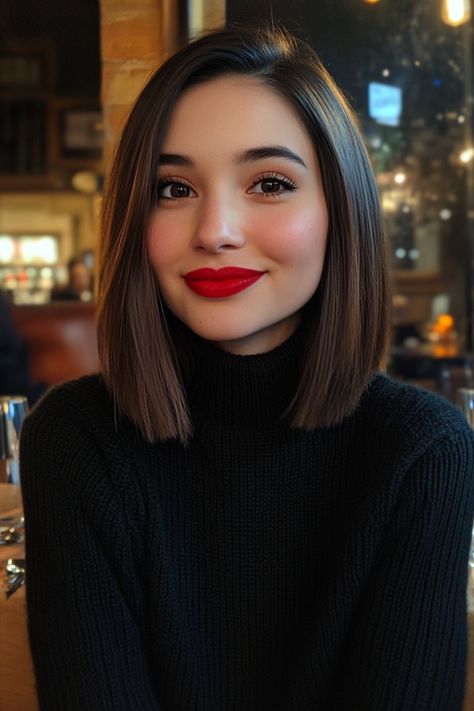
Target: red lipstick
{"x": 219, "y": 283}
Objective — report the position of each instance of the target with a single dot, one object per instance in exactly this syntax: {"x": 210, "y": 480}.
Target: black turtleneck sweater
{"x": 258, "y": 569}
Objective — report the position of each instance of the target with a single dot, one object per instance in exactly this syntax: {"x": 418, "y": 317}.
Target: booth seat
{"x": 61, "y": 339}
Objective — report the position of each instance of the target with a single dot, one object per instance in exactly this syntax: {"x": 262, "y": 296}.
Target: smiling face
{"x": 241, "y": 197}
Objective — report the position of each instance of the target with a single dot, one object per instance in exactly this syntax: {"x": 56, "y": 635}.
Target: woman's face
{"x": 239, "y": 191}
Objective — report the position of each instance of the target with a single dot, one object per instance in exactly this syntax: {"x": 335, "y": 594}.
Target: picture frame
{"x": 78, "y": 138}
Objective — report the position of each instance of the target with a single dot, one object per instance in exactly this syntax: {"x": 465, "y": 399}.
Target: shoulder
{"x": 86, "y": 397}
{"x": 418, "y": 447}
{"x": 73, "y": 440}
{"x": 81, "y": 392}
{"x": 79, "y": 411}
{"x": 411, "y": 420}
{"x": 412, "y": 407}
{"x": 74, "y": 456}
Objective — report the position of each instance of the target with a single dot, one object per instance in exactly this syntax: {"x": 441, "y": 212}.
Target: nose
{"x": 218, "y": 226}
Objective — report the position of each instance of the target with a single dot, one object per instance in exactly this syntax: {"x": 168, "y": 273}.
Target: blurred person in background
{"x": 79, "y": 284}
{"x": 14, "y": 376}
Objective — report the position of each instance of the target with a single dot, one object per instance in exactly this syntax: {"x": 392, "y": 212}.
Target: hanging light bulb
{"x": 455, "y": 12}
{"x": 371, "y": 2}
{"x": 466, "y": 155}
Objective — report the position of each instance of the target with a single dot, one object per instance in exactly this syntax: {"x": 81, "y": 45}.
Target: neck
{"x": 243, "y": 391}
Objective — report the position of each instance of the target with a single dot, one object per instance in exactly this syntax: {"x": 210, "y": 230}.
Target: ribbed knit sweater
{"x": 259, "y": 569}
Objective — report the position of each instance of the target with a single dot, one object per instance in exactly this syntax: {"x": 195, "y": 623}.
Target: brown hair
{"x": 345, "y": 322}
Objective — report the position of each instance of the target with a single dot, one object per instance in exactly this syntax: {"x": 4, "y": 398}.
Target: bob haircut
{"x": 345, "y": 322}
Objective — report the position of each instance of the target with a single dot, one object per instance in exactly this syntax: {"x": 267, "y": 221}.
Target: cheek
{"x": 162, "y": 240}
{"x": 295, "y": 237}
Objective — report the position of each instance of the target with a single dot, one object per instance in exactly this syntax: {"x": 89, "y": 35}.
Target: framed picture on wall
{"x": 78, "y": 131}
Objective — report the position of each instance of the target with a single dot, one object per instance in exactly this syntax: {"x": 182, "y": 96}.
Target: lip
{"x": 219, "y": 283}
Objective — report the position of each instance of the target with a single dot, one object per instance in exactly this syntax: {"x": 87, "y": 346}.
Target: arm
{"x": 83, "y": 578}
{"x": 407, "y": 648}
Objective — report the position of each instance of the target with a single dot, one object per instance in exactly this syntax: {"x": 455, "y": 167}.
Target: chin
{"x": 245, "y": 339}
{"x": 218, "y": 334}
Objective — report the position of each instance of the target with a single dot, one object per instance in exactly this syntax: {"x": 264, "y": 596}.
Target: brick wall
{"x": 131, "y": 47}
{"x": 136, "y": 36}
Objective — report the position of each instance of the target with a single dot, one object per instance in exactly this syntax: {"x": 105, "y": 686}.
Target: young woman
{"x": 241, "y": 513}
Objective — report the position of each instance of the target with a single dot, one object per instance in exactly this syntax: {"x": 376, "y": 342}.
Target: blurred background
{"x": 69, "y": 72}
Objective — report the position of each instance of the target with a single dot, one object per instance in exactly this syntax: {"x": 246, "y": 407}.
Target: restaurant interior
{"x": 69, "y": 72}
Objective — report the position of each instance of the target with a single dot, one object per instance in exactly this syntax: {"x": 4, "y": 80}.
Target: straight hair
{"x": 143, "y": 361}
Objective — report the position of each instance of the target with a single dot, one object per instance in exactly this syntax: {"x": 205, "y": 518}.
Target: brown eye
{"x": 270, "y": 186}
{"x": 178, "y": 190}
{"x": 174, "y": 190}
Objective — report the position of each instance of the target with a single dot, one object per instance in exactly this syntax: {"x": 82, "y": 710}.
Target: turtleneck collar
{"x": 243, "y": 391}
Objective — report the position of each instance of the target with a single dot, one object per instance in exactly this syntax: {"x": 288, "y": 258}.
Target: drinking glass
{"x": 13, "y": 409}
{"x": 465, "y": 401}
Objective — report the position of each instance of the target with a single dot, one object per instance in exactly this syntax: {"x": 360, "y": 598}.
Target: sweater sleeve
{"x": 85, "y": 613}
{"x": 407, "y": 648}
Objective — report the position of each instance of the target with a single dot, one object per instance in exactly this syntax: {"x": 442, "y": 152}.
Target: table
{"x": 17, "y": 682}
{"x": 469, "y": 695}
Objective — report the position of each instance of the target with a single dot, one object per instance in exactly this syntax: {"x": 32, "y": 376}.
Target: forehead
{"x": 234, "y": 112}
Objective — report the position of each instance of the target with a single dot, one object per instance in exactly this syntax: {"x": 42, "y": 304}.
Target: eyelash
{"x": 285, "y": 183}
{"x": 288, "y": 185}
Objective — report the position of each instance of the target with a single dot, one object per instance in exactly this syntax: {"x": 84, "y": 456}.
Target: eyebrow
{"x": 174, "y": 159}
{"x": 253, "y": 154}
{"x": 248, "y": 156}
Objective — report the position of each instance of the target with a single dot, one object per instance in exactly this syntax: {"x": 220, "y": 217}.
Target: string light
{"x": 455, "y": 12}
{"x": 400, "y": 178}
{"x": 466, "y": 155}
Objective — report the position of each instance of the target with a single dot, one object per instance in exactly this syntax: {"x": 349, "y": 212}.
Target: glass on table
{"x": 465, "y": 401}
{"x": 470, "y": 584}
{"x": 13, "y": 409}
